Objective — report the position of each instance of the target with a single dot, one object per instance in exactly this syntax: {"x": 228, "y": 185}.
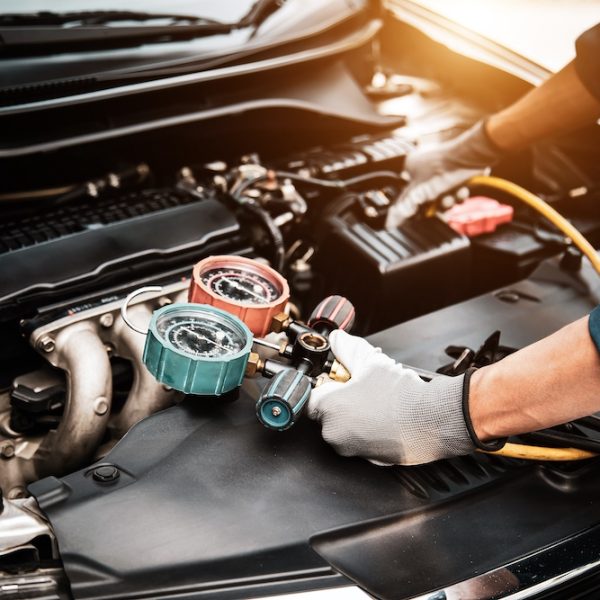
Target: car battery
{"x": 394, "y": 275}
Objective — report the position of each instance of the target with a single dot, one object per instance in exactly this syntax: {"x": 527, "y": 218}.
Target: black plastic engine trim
{"x": 95, "y": 251}
{"x": 211, "y": 504}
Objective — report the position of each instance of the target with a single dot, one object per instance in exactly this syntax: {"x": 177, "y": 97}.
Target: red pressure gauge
{"x": 243, "y": 287}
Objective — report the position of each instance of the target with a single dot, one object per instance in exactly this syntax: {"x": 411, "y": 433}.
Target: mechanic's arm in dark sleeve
{"x": 566, "y": 101}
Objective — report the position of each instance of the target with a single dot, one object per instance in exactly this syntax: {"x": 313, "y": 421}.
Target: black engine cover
{"x": 211, "y": 504}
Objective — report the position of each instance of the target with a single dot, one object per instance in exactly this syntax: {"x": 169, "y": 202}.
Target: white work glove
{"x": 387, "y": 413}
{"x": 438, "y": 170}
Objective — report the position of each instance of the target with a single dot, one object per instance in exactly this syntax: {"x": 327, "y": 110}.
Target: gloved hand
{"x": 387, "y": 413}
{"x": 438, "y": 170}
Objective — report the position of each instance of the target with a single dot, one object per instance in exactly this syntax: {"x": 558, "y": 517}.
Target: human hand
{"x": 435, "y": 171}
{"x": 386, "y": 412}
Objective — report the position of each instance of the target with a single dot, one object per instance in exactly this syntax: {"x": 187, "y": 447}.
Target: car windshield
{"x": 228, "y": 11}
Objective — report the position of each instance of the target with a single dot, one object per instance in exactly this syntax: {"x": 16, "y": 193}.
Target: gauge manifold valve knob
{"x": 283, "y": 399}
{"x": 334, "y": 312}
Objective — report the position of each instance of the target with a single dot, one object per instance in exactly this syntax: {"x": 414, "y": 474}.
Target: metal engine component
{"x": 146, "y": 396}
{"x": 26, "y": 538}
{"x": 81, "y": 344}
{"x": 80, "y": 352}
{"x": 22, "y": 522}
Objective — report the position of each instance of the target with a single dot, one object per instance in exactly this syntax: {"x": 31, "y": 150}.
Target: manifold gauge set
{"x": 206, "y": 346}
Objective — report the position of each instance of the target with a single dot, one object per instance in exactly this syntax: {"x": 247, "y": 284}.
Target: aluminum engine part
{"x": 81, "y": 345}
{"x": 21, "y": 522}
{"x": 27, "y": 539}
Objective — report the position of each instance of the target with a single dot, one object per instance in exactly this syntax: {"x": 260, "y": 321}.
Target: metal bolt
{"x": 101, "y": 406}
{"x": 46, "y": 344}
{"x": 276, "y": 411}
{"x": 463, "y": 193}
{"x": 7, "y": 450}
{"x": 107, "y": 320}
{"x": 300, "y": 266}
{"x": 106, "y": 474}
{"x": 279, "y": 322}
{"x": 91, "y": 189}
{"x": 447, "y": 202}
{"x": 114, "y": 180}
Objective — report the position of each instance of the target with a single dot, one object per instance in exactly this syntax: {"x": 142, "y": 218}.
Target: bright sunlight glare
{"x": 542, "y": 30}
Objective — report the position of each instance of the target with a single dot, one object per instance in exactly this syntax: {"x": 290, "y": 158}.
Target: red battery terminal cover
{"x": 478, "y": 215}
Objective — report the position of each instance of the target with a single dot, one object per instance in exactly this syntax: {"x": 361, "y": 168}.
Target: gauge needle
{"x": 206, "y": 339}
{"x": 239, "y": 286}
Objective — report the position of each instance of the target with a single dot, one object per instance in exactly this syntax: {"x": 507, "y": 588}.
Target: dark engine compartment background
{"x": 208, "y": 503}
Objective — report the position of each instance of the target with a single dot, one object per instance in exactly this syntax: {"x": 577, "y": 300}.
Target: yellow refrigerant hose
{"x": 516, "y": 191}
{"x": 525, "y": 451}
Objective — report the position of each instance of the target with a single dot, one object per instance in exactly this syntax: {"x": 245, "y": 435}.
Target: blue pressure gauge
{"x": 197, "y": 349}
{"x": 194, "y": 348}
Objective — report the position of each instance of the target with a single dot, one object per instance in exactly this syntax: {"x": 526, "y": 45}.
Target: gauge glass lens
{"x": 241, "y": 285}
{"x": 201, "y": 334}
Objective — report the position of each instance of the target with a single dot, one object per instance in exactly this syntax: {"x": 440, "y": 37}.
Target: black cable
{"x": 336, "y": 184}
{"x": 340, "y": 184}
{"x": 565, "y": 439}
{"x": 265, "y": 217}
{"x": 274, "y": 232}
{"x": 237, "y": 194}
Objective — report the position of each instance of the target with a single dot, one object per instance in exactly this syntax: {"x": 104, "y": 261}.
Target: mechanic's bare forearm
{"x": 552, "y": 381}
{"x": 560, "y": 104}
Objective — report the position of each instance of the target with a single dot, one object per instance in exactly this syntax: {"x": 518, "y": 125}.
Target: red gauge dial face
{"x": 244, "y": 287}
{"x": 241, "y": 285}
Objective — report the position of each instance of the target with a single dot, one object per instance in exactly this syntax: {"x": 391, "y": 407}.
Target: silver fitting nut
{"x": 7, "y": 450}
{"x": 46, "y": 344}
{"x": 107, "y": 320}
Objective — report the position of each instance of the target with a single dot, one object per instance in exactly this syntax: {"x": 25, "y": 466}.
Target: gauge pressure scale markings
{"x": 197, "y": 349}
{"x": 243, "y": 287}
{"x": 201, "y": 339}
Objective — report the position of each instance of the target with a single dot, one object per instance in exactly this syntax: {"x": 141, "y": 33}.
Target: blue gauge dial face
{"x": 241, "y": 285}
{"x": 201, "y": 334}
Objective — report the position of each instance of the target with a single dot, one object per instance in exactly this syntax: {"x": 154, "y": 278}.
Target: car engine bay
{"x": 116, "y": 485}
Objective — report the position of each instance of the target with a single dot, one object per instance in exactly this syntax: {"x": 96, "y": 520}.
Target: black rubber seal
{"x": 489, "y": 446}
